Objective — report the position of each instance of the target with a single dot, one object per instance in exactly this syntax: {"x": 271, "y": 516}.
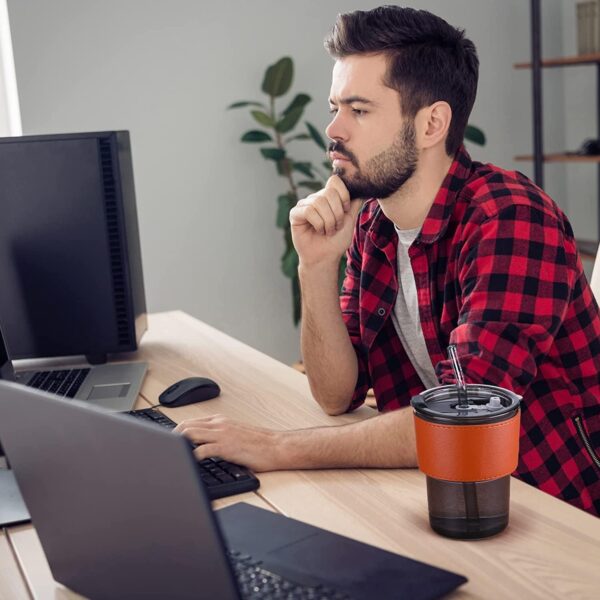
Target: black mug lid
{"x": 486, "y": 404}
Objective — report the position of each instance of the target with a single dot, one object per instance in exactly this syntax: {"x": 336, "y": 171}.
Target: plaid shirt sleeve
{"x": 516, "y": 270}
{"x": 349, "y": 303}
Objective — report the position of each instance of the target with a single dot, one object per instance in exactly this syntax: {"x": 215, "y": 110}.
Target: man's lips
{"x": 337, "y": 156}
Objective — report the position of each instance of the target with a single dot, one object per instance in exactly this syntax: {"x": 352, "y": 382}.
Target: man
{"x": 444, "y": 251}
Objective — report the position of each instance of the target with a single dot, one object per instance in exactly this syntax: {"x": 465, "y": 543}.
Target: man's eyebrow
{"x": 352, "y": 100}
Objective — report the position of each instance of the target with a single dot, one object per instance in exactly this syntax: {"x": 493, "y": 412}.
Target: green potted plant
{"x": 278, "y": 128}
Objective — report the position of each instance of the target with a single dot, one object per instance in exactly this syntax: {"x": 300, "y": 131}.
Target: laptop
{"x": 121, "y": 513}
{"x": 113, "y": 387}
{"x": 110, "y": 387}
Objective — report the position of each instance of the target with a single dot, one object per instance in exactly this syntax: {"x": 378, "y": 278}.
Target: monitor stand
{"x": 97, "y": 359}
{"x": 12, "y": 507}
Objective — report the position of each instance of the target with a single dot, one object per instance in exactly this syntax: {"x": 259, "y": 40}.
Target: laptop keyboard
{"x": 220, "y": 478}
{"x": 63, "y": 383}
{"x": 256, "y": 582}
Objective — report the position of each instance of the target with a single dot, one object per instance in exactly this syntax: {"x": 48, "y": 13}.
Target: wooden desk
{"x": 549, "y": 550}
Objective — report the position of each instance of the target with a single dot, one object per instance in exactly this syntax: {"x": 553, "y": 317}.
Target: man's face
{"x": 374, "y": 149}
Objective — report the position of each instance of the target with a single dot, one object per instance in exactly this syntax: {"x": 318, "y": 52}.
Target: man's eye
{"x": 332, "y": 111}
{"x": 358, "y": 112}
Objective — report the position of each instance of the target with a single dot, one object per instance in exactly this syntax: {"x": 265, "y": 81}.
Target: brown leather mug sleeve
{"x": 468, "y": 452}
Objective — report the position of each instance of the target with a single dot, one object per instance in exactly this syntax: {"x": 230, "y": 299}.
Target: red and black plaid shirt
{"x": 498, "y": 274}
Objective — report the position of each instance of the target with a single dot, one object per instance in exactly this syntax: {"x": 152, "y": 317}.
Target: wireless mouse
{"x": 189, "y": 391}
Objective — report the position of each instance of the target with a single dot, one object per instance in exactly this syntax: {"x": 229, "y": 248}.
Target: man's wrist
{"x": 282, "y": 455}
{"x": 320, "y": 269}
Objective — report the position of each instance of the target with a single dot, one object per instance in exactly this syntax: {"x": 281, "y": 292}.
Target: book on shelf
{"x": 588, "y": 26}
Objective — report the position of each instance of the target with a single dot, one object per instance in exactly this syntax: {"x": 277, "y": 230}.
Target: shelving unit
{"x": 583, "y": 59}
{"x": 587, "y": 248}
{"x": 560, "y": 158}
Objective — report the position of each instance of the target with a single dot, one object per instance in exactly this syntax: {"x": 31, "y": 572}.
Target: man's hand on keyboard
{"x": 253, "y": 447}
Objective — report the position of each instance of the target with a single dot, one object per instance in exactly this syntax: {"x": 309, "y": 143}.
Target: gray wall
{"x": 166, "y": 71}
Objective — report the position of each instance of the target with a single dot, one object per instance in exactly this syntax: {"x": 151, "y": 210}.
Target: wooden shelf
{"x": 565, "y": 61}
{"x": 561, "y": 158}
{"x": 587, "y": 249}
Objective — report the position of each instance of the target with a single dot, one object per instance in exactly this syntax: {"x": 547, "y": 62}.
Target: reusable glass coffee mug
{"x": 467, "y": 454}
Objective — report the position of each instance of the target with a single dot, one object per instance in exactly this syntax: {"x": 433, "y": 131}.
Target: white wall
{"x": 10, "y": 116}
{"x": 166, "y": 71}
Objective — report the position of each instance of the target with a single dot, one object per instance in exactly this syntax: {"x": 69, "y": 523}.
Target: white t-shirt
{"x": 406, "y": 312}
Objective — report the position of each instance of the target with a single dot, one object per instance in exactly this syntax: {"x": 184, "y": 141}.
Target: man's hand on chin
{"x": 253, "y": 447}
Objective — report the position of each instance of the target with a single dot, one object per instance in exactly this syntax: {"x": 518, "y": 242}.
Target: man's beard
{"x": 385, "y": 173}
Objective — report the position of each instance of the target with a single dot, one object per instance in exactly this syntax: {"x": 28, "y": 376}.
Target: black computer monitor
{"x": 70, "y": 259}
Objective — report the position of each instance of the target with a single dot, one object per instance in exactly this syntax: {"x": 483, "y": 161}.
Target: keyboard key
{"x": 237, "y": 473}
{"x": 37, "y": 379}
{"x": 257, "y": 582}
{"x": 209, "y": 480}
{"x": 63, "y": 382}
{"x": 55, "y": 385}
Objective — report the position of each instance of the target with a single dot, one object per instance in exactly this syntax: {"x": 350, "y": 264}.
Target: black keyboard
{"x": 64, "y": 383}
{"x": 221, "y": 478}
{"x": 257, "y": 582}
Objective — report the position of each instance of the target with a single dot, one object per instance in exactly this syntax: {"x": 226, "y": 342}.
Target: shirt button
{"x": 381, "y": 312}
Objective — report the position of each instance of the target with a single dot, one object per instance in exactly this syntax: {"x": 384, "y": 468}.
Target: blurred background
{"x": 207, "y": 204}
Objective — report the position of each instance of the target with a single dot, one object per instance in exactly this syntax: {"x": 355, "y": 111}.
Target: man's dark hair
{"x": 429, "y": 60}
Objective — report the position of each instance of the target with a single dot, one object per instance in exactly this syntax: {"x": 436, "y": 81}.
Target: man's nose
{"x": 336, "y": 130}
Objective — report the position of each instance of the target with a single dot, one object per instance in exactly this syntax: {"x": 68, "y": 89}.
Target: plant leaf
{"x": 299, "y": 136}
{"x": 327, "y": 164}
{"x": 245, "y": 103}
{"x": 475, "y": 135}
{"x": 316, "y": 136}
{"x": 289, "y": 120}
{"x": 315, "y": 186}
{"x": 273, "y": 153}
{"x": 289, "y": 262}
{"x": 299, "y": 101}
{"x": 304, "y": 167}
{"x": 263, "y": 118}
{"x": 256, "y": 136}
{"x": 283, "y": 211}
{"x": 278, "y": 77}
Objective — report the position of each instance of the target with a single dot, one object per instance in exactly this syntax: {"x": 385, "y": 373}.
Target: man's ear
{"x": 432, "y": 124}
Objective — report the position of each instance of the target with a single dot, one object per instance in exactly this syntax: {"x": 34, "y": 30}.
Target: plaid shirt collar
{"x": 381, "y": 230}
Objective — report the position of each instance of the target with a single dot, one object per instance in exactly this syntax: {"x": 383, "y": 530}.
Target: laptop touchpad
{"x": 102, "y": 392}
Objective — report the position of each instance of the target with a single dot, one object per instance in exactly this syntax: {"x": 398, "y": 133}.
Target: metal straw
{"x": 463, "y": 400}
{"x": 469, "y": 488}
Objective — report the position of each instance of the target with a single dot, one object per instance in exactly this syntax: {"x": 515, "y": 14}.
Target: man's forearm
{"x": 382, "y": 441}
{"x": 329, "y": 358}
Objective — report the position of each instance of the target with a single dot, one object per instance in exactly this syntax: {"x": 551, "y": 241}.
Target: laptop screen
{"x": 6, "y": 372}
{"x": 6, "y": 368}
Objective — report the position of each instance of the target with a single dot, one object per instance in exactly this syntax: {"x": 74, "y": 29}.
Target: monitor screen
{"x": 57, "y": 266}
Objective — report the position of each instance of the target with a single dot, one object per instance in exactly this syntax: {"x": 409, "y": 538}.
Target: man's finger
{"x": 338, "y": 185}
{"x": 324, "y": 205}
{"x": 200, "y": 435}
{"x": 335, "y": 203}
{"x": 206, "y": 451}
{"x": 307, "y": 214}
{"x": 194, "y": 421}
{"x": 355, "y": 207}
